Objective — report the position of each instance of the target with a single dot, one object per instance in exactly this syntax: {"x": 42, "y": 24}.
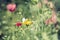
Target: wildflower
{"x": 11, "y": 7}
{"x": 46, "y": 1}
{"x": 27, "y": 22}
{"x": 23, "y": 19}
{"x": 51, "y": 5}
{"x": 53, "y": 19}
{"x": 18, "y": 24}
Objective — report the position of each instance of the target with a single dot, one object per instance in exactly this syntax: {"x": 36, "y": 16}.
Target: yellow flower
{"x": 27, "y": 22}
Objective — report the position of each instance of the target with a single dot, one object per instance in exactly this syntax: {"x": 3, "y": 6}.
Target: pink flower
{"x": 18, "y": 24}
{"x": 53, "y": 19}
{"x": 11, "y": 7}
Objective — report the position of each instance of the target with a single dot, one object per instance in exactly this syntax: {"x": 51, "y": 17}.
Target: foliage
{"x": 38, "y": 30}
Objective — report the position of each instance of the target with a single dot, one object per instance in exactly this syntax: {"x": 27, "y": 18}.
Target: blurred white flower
{"x": 23, "y": 19}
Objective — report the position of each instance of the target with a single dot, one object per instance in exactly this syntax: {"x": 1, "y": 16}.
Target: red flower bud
{"x": 11, "y": 7}
{"x": 18, "y": 24}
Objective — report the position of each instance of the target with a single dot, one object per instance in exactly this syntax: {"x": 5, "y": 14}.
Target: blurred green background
{"x": 28, "y": 9}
